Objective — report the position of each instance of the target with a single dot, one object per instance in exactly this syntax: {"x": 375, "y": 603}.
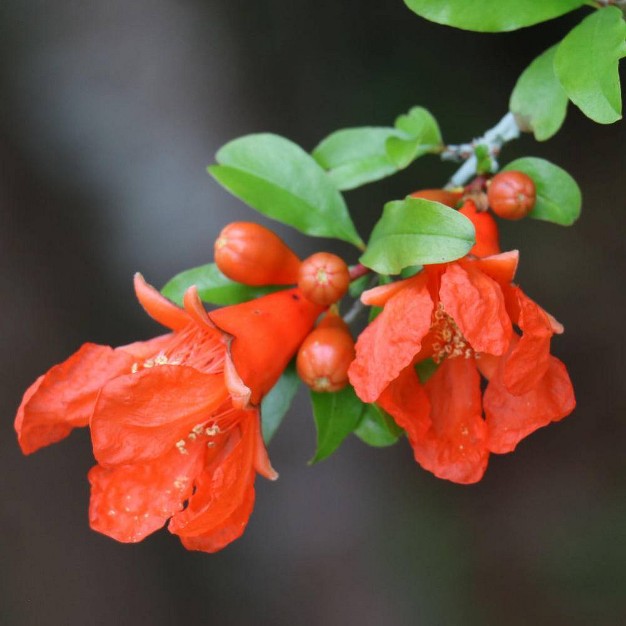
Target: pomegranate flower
{"x": 461, "y": 315}
{"x": 175, "y": 421}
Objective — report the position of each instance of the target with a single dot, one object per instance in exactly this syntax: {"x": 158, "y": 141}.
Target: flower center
{"x": 450, "y": 341}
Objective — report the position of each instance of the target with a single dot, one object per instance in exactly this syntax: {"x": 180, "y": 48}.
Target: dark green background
{"x": 110, "y": 112}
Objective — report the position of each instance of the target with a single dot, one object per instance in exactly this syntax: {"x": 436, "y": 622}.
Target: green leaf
{"x": 358, "y": 286}
{"x": 422, "y": 135}
{"x": 377, "y": 428}
{"x": 538, "y": 99}
{"x": 213, "y": 287}
{"x": 425, "y": 369}
{"x": 375, "y": 311}
{"x": 336, "y": 416}
{"x": 277, "y": 402}
{"x": 558, "y": 195}
{"x": 411, "y": 270}
{"x": 415, "y": 231}
{"x": 491, "y": 16}
{"x": 355, "y": 156}
{"x": 276, "y": 177}
{"x": 586, "y": 63}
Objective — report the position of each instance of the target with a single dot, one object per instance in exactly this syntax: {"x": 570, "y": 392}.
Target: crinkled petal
{"x": 222, "y": 488}
{"x": 267, "y": 333}
{"x": 510, "y": 418}
{"x": 391, "y": 341}
{"x": 141, "y": 416}
{"x": 526, "y": 364}
{"x": 406, "y": 401}
{"x": 64, "y": 398}
{"x": 229, "y": 530}
{"x": 475, "y": 302}
{"x": 501, "y": 267}
{"x": 455, "y": 446}
{"x": 128, "y": 502}
{"x": 380, "y": 295}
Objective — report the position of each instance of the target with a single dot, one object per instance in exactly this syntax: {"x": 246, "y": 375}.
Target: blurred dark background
{"x": 110, "y": 112}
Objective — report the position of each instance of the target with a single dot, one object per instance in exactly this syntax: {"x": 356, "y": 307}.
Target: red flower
{"x": 175, "y": 419}
{"x": 461, "y": 315}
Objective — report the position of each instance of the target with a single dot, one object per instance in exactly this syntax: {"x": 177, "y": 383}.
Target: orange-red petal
{"x": 526, "y": 364}
{"x": 475, "y": 302}
{"x": 380, "y": 295}
{"x": 510, "y": 418}
{"x": 455, "y": 447}
{"x": 267, "y": 333}
{"x": 227, "y": 531}
{"x": 142, "y": 416}
{"x": 64, "y": 397}
{"x": 128, "y": 502}
{"x": 223, "y": 487}
{"x": 391, "y": 341}
{"x": 406, "y": 401}
{"x": 501, "y": 267}
{"x": 158, "y": 307}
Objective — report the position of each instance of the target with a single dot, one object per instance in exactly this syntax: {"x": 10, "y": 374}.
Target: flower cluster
{"x": 462, "y": 316}
{"x": 175, "y": 421}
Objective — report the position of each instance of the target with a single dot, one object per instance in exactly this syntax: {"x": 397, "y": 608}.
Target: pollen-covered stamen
{"x": 200, "y": 348}
{"x": 209, "y": 432}
{"x": 450, "y": 341}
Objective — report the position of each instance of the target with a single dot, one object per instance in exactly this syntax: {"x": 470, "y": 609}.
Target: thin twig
{"x": 504, "y": 131}
{"x": 357, "y": 305}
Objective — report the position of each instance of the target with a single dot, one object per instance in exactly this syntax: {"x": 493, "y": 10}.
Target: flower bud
{"x": 324, "y": 278}
{"x": 325, "y": 355}
{"x": 487, "y": 237}
{"x": 444, "y": 196}
{"x": 511, "y": 195}
{"x": 253, "y": 255}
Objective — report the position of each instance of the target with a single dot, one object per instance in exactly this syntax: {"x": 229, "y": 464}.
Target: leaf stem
{"x": 358, "y": 270}
{"x": 504, "y": 131}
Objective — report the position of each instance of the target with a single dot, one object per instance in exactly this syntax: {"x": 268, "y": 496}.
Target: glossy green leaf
{"x": 377, "y": 428}
{"x": 491, "y": 16}
{"x": 336, "y": 416}
{"x": 213, "y": 287}
{"x": 586, "y": 63}
{"x": 422, "y": 136}
{"x": 356, "y": 156}
{"x": 276, "y": 403}
{"x": 538, "y": 100}
{"x": 276, "y": 177}
{"x": 558, "y": 196}
{"x": 415, "y": 231}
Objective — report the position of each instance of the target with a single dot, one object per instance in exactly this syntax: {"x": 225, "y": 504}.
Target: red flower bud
{"x": 511, "y": 195}
{"x": 326, "y": 354}
{"x": 487, "y": 237}
{"x": 449, "y": 198}
{"x": 253, "y": 255}
{"x": 324, "y": 278}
